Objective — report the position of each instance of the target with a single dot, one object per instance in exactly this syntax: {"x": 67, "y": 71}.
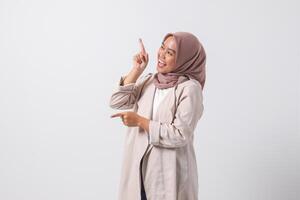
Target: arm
{"x": 129, "y": 87}
{"x": 178, "y": 133}
{"x": 125, "y": 95}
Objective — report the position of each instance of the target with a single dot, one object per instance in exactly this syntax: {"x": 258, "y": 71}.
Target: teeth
{"x": 161, "y": 62}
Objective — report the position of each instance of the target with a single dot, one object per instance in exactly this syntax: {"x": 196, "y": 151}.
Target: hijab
{"x": 190, "y": 59}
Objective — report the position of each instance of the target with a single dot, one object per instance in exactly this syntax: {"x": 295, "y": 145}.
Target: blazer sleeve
{"x": 125, "y": 96}
{"x": 178, "y": 133}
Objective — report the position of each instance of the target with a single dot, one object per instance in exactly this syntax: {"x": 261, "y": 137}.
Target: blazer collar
{"x": 150, "y": 95}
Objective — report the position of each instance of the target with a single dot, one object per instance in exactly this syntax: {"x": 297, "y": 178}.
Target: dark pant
{"x": 143, "y": 193}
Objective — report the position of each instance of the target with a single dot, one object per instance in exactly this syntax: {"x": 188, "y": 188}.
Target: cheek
{"x": 171, "y": 61}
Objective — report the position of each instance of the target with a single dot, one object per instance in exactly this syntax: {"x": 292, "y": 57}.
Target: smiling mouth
{"x": 161, "y": 63}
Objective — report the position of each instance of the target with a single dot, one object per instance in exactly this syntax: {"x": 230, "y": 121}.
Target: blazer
{"x": 169, "y": 166}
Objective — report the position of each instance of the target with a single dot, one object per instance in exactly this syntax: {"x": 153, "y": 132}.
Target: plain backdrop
{"x": 60, "y": 61}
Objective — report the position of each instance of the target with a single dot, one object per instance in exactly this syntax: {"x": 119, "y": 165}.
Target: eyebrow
{"x": 169, "y": 48}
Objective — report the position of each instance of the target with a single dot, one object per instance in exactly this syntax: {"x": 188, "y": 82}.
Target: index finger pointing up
{"x": 142, "y": 46}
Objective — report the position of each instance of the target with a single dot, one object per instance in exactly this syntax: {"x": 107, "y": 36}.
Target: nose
{"x": 162, "y": 53}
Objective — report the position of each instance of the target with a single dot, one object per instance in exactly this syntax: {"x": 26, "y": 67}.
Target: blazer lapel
{"x": 149, "y": 99}
{"x": 146, "y": 108}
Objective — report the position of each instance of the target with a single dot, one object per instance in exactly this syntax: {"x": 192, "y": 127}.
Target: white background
{"x": 60, "y": 61}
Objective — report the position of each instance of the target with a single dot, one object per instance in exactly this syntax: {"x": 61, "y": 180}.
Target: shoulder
{"x": 190, "y": 85}
{"x": 143, "y": 78}
{"x": 147, "y": 76}
{"x": 189, "y": 90}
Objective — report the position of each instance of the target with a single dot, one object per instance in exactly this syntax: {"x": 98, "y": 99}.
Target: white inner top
{"x": 159, "y": 96}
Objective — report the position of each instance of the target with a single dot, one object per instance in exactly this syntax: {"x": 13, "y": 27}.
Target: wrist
{"x": 142, "y": 122}
{"x": 136, "y": 71}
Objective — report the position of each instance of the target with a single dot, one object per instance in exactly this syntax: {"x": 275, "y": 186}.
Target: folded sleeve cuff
{"x": 127, "y": 87}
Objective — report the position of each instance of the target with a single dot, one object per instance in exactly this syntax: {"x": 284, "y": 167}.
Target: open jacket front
{"x": 169, "y": 168}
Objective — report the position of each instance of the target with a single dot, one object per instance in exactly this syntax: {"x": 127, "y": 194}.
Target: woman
{"x": 159, "y": 158}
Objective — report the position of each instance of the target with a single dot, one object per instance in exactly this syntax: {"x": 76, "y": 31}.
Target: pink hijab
{"x": 190, "y": 62}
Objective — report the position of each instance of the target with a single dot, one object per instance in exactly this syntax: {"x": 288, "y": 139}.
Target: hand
{"x": 128, "y": 118}
{"x": 140, "y": 60}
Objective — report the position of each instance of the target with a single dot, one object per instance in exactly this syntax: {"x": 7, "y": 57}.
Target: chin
{"x": 161, "y": 70}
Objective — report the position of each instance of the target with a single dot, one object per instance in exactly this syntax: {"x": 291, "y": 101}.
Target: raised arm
{"x": 125, "y": 96}
{"x": 129, "y": 86}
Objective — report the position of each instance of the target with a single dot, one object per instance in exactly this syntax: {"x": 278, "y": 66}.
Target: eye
{"x": 170, "y": 53}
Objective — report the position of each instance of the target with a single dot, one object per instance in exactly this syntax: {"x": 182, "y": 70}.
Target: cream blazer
{"x": 169, "y": 168}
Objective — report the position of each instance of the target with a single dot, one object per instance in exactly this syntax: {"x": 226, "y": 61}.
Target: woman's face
{"x": 166, "y": 56}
